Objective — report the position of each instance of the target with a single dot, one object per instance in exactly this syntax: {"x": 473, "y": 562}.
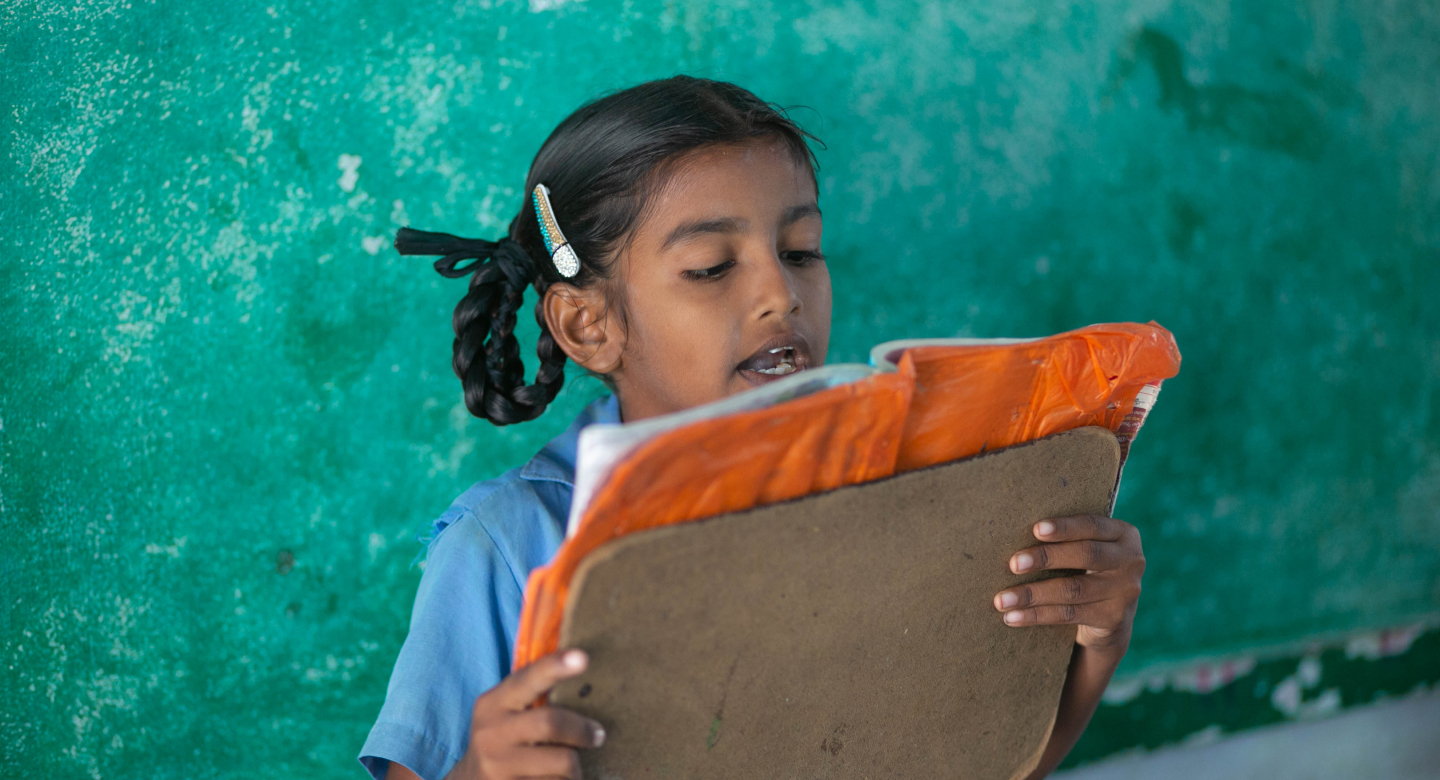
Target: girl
{"x": 675, "y": 249}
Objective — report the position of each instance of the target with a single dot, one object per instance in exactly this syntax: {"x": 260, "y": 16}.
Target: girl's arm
{"x": 1090, "y": 672}
{"x": 1101, "y": 602}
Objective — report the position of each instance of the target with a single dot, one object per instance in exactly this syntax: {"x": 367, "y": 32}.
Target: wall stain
{"x": 1280, "y": 121}
{"x": 1185, "y": 220}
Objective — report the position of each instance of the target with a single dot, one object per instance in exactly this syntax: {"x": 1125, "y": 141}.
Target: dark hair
{"x": 601, "y": 164}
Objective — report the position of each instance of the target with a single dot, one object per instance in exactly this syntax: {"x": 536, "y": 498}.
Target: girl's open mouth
{"x": 779, "y": 357}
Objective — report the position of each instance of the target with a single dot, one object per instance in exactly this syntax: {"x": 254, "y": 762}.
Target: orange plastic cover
{"x": 971, "y": 399}
{"x": 944, "y": 403}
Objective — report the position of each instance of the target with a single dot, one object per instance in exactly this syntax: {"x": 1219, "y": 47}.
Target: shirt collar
{"x": 556, "y": 461}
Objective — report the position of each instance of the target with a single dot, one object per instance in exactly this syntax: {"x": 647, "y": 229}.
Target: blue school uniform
{"x": 467, "y": 609}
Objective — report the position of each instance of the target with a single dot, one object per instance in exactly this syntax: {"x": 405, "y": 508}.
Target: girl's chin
{"x": 756, "y": 379}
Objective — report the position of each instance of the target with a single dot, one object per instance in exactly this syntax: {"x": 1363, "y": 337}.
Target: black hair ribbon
{"x": 506, "y": 254}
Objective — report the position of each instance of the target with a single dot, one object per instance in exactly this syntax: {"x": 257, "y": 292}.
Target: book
{"x": 602, "y": 446}
{"x": 920, "y": 403}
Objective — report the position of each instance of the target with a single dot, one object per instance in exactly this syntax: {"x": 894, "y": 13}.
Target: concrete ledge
{"x": 1393, "y": 740}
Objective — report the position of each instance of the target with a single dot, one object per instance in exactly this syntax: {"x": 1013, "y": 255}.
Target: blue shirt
{"x": 467, "y": 609}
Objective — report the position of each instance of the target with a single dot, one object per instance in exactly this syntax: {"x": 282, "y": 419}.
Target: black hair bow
{"x": 506, "y": 254}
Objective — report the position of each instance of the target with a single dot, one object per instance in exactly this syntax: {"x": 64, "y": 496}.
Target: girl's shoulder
{"x": 520, "y": 514}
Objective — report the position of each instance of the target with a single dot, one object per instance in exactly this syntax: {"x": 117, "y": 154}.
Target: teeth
{"x": 786, "y": 365}
{"x": 780, "y": 370}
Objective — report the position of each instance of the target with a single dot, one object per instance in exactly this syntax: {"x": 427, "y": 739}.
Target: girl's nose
{"x": 775, "y": 290}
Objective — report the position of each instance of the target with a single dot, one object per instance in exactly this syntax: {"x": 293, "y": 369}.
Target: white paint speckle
{"x": 373, "y": 244}
{"x": 172, "y": 550}
{"x": 463, "y": 445}
{"x": 1286, "y": 696}
{"x": 1326, "y": 704}
{"x": 1374, "y": 645}
{"x": 349, "y": 164}
{"x": 1206, "y": 736}
{"x": 1122, "y": 690}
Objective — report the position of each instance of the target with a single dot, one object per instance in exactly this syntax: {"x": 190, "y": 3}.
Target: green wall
{"x": 226, "y": 407}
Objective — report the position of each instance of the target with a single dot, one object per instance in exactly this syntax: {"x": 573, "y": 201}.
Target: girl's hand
{"x": 1102, "y": 600}
{"x": 511, "y": 739}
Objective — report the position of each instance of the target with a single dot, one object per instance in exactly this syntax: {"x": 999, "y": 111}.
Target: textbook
{"x": 602, "y": 446}
{"x": 716, "y": 525}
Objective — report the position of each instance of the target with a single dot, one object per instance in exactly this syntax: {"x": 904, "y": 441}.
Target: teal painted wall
{"x": 225, "y": 405}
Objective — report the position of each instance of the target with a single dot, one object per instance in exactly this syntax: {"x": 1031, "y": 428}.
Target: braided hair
{"x": 486, "y": 353}
{"x": 601, "y": 164}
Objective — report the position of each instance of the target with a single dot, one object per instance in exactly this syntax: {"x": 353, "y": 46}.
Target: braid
{"x": 486, "y": 354}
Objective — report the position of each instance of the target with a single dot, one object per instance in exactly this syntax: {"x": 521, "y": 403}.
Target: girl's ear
{"x": 582, "y": 323}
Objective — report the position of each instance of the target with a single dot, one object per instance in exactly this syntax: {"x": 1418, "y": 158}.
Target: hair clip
{"x": 565, "y": 259}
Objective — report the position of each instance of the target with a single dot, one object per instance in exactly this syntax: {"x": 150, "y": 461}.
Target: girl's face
{"x": 723, "y": 285}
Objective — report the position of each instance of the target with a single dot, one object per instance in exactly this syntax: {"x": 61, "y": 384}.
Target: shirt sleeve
{"x": 461, "y": 632}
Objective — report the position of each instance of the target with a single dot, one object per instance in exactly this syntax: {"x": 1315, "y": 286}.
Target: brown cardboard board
{"x": 849, "y": 634}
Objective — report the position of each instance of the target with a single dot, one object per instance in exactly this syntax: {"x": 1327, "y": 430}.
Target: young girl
{"x": 672, "y": 233}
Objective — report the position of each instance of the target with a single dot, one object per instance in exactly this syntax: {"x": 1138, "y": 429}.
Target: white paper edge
{"x": 879, "y": 351}
{"x": 603, "y": 445}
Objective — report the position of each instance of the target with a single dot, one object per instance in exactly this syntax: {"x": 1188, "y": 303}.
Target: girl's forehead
{"x": 755, "y": 177}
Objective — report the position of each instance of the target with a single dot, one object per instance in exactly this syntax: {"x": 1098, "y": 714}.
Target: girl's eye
{"x": 802, "y": 258}
{"x": 709, "y": 274}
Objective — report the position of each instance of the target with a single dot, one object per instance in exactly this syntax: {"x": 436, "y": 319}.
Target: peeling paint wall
{"x": 226, "y": 407}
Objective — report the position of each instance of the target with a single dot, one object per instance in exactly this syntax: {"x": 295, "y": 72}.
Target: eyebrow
{"x": 723, "y": 225}
{"x": 796, "y": 213}
{"x": 688, "y": 230}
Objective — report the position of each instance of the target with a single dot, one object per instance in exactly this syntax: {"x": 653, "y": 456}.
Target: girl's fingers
{"x": 520, "y": 689}
{"x": 1101, "y": 614}
{"x": 1088, "y": 555}
{"x": 544, "y": 762}
{"x": 1076, "y": 527}
{"x": 1080, "y": 589}
{"x": 556, "y": 726}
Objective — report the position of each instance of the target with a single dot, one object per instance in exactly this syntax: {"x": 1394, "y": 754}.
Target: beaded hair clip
{"x": 565, "y": 259}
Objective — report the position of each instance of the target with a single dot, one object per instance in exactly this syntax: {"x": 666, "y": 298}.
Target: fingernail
{"x": 1008, "y": 600}
{"x": 599, "y": 737}
{"x": 574, "y": 659}
{"x": 1023, "y": 561}
{"x": 1013, "y": 618}
{"x": 1044, "y": 528}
